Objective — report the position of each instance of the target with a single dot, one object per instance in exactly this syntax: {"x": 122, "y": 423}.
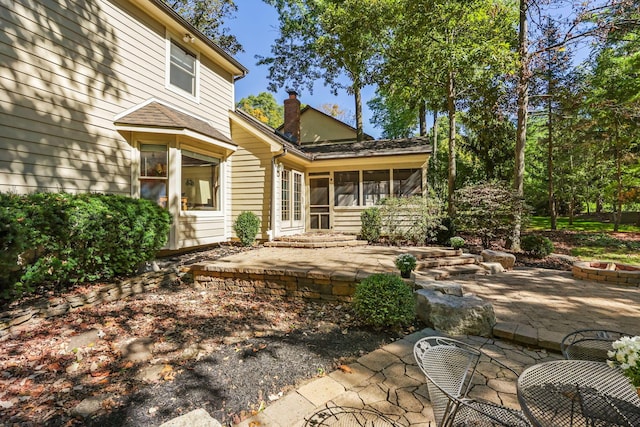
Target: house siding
{"x": 316, "y": 127}
{"x": 67, "y": 70}
{"x": 251, "y": 178}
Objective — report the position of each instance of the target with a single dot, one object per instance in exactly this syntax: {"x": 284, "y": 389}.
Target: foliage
{"x": 396, "y": 117}
{"x": 626, "y": 356}
{"x": 334, "y": 110}
{"x": 536, "y": 245}
{"x": 371, "y": 224}
{"x": 487, "y": 211}
{"x": 68, "y": 238}
{"x": 384, "y": 300}
{"x": 406, "y": 263}
{"x": 326, "y": 40}
{"x": 263, "y": 107}
{"x": 446, "y": 231}
{"x": 411, "y": 219}
{"x": 208, "y": 16}
{"x": 246, "y": 227}
{"x": 457, "y": 242}
{"x": 580, "y": 224}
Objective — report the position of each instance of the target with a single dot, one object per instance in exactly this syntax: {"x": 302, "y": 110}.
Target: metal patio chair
{"x": 449, "y": 366}
{"x": 589, "y": 344}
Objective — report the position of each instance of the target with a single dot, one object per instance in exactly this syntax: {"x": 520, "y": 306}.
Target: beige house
{"x": 119, "y": 96}
{"x": 319, "y": 184}
{"x": 126, "y": 97}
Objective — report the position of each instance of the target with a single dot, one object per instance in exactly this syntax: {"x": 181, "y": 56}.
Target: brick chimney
{"x": 291, "y": 127}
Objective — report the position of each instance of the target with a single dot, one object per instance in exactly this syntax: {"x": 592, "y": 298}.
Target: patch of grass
{"x": 606, "y": 254}
{"x": 538, "y": 223}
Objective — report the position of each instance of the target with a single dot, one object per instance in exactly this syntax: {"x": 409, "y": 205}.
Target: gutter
{"x": 272, "y": 204}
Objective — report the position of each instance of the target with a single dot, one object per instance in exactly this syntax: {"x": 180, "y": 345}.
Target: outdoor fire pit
{"x": 608, "y": 272}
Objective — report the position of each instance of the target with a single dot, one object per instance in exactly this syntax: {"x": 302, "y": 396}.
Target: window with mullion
{"x": 182, "y": 69}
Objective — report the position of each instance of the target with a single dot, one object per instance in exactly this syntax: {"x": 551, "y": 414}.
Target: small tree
{"x": 487, "y": 211}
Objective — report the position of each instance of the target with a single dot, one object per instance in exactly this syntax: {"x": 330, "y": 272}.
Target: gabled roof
{"x": 272, "y": 133}
{"x": 344, "y": 149}
{"x": 308, "y": 108}
{"x": 154, "y": 115}
{"x": 371, "y": 148}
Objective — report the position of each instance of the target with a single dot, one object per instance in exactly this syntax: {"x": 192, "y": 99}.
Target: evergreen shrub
{"x": 384, "y": 300}
{"x": 536, "y": 245}
{"x": 57, "y": 239}
{"x": 246, "y": 227}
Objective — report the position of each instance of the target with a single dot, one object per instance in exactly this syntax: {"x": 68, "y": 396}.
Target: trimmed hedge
{"x": 56, "y": 239}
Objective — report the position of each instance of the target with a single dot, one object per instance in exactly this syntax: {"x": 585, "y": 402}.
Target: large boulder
{"x": 442, "y": 286}
{"x": 454, "y": 315}
{"x": 507, "y": 260}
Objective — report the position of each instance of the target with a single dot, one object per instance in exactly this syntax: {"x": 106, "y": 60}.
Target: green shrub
{"x": 537, "y": 246}
{"x": 371, "y": 224}
{"x": 487, "y": 211}
{"x": 246, "y": 227}
{"x": 457, "y": 242}
{"x": 383, "y": 300}
{"x": 75, "y": 238}
{"x": 411, "y": 219}
{"x": 446, "y": 231}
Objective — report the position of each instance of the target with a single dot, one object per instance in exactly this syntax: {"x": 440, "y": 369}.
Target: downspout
{"x": 272, "y": 204}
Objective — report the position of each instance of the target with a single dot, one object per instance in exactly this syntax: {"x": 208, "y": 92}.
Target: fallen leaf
{"x": 345, "y": 369}
{"x": 102, "y": 374}
{"x": 254, "y": 424}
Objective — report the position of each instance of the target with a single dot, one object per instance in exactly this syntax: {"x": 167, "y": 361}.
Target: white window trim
{"x": 167, "y": 71}
{"x": 220, "y": 213}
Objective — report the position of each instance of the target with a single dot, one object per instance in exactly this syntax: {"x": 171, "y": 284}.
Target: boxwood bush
{"x": 246, "y": 227}
{"x": 384, "y": 300}
{"x": 56, "y": 239}
{"x": 371, "y": 224}
{"x": 536, "y": 245}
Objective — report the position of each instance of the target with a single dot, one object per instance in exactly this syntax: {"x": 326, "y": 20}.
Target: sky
{"x": 256, "y": 27}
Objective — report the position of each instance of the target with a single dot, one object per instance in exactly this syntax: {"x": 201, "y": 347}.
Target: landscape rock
{"x": 507, "y": 260}
{"x": 442, "y": 286}
{"x": 454, "y": 315}
{"x": 492, "y": 267}
{"x": 90, "y": 406}
{"x": 196, "y": 418}
{"x": 137, "y": 349}
{"x": 83, "y": 339}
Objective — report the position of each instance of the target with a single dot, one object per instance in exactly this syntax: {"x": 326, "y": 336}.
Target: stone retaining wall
{"x": 296, "y": 283}
{"x": 17, "y": 318}
{"x": 620, "y": 274}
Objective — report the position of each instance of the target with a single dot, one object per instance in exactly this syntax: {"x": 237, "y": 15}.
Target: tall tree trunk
{"x": 423, "y": 119}
{"x": 451, "y": 107}
{"x": 522, "y": 90}
{"x": 552, "y": 197}
{"x": 435, "y": 150}
{"x": 617, "y": 207}
{"x": 572, "y": 206}
{"x": 359, "y": 125}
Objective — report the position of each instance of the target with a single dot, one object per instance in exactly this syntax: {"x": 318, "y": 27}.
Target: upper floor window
{"x": 183, "y": 68}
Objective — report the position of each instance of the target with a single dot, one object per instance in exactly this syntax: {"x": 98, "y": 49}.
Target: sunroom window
{"x": 375, "y": 186}
{"x": 153, "y": 173}
{"x": 347, "y": 188}
{"x": 200, "y": 182}
{"x": 182, "y": 69}
{"x": 407, "y": 182}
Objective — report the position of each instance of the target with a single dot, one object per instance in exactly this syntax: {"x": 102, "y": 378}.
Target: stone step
{"x": 317, "y": 237}
{"x": 446, "y": 261}
{"x": 315, "y": 244}
{"x": 447, "y": 272}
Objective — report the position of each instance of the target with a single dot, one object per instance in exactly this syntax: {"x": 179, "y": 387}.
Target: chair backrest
{"x": 448, "y": 366}
{"x": 589, "y": 344}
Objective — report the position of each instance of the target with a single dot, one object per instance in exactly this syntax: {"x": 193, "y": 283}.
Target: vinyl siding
{"x": 347, "y": 219}
{"x": 66, "y": 71}
{"x": 251, "y": 177}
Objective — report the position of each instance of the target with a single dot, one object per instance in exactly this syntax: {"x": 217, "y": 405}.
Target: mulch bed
{"x": 229, "y": 354}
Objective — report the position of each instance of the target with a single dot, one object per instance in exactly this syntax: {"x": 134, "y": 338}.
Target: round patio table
{"x": 578, "y": 393}
{"x": 348, "y": 417}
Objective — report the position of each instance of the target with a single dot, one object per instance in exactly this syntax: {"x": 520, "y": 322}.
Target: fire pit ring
{"x": 607, "y": 272}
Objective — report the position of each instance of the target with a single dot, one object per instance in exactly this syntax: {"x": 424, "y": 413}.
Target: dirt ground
{"x": 225, "y": 353}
